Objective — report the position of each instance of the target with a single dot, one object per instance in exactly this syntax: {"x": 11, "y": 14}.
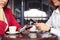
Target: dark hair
{"x": 52, "y": 4}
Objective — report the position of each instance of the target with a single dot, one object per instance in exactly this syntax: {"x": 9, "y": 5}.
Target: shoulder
{"x": 54, "y": 12}
{"x": 7, "y": 10}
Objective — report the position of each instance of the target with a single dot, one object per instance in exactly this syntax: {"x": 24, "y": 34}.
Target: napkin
{"x": 33, "y": 28}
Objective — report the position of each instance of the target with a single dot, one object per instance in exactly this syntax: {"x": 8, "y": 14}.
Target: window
{"x": 19, "y": 9}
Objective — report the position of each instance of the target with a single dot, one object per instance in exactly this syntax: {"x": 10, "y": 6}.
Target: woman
{"x": 6, "y": 18}
{"x": 53, "y": 23}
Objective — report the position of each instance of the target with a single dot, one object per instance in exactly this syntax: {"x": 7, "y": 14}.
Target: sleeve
{"x": 55, "y": 31}
{"x": 2, "y": 27}
{"x": 50, "y": 24}
{"x": 50, "y": 20}
{"x": 13, "y": 20}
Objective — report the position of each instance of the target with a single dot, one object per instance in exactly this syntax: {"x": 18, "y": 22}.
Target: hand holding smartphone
{"x": 25, "y": 28}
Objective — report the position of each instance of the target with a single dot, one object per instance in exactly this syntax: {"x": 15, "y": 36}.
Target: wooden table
{"x": 26, "y": 37}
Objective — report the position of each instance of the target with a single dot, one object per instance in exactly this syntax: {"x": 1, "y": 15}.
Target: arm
{"x": 13, "y": 20}
{"x": 2, "y": 27}
{"x": 49, "y": 26}
{"x": 46, "y": 26}
{"x": 2, "y": 23}
{"x": 50, "y": 22}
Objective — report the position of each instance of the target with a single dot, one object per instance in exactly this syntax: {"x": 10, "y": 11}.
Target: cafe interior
{"x": 28, "y": 12}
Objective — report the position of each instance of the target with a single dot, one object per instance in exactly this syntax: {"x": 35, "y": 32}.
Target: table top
{"x": 26, "y": 37}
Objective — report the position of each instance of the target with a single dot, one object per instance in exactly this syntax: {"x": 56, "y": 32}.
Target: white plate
{"x": 35, "y": 30}
{"x": 12, "y": 33}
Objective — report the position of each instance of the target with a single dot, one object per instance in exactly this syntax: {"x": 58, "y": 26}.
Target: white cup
{"x": 12, "y": 29}
{"x": 32, "y": 35}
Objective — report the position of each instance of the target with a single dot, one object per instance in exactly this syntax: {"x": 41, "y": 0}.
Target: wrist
{"x": 50, "y": 29}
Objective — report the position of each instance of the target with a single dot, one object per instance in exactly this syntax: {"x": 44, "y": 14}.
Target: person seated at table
{"x": 6, "y": 18}
{"x": 53, "y": 23}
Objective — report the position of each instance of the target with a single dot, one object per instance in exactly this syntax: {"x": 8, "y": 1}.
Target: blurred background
{"x": 28, "y": 12}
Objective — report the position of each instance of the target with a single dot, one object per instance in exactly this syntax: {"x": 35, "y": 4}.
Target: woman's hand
{"x": 24, "y": 29}
{"x": 42, "y": 26}
{"x": 28, "y": 26}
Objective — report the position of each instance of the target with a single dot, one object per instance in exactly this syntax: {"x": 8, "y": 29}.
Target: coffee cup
{"x": 12, "y": 29}
{"x": 32, "y": 35}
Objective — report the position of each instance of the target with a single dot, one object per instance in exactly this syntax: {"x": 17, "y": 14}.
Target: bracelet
{"x": 50, "y": 29}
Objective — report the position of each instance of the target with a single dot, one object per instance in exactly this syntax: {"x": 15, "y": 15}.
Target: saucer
{"x": 35, "y": 31}
{"x": 12, "y": 33}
